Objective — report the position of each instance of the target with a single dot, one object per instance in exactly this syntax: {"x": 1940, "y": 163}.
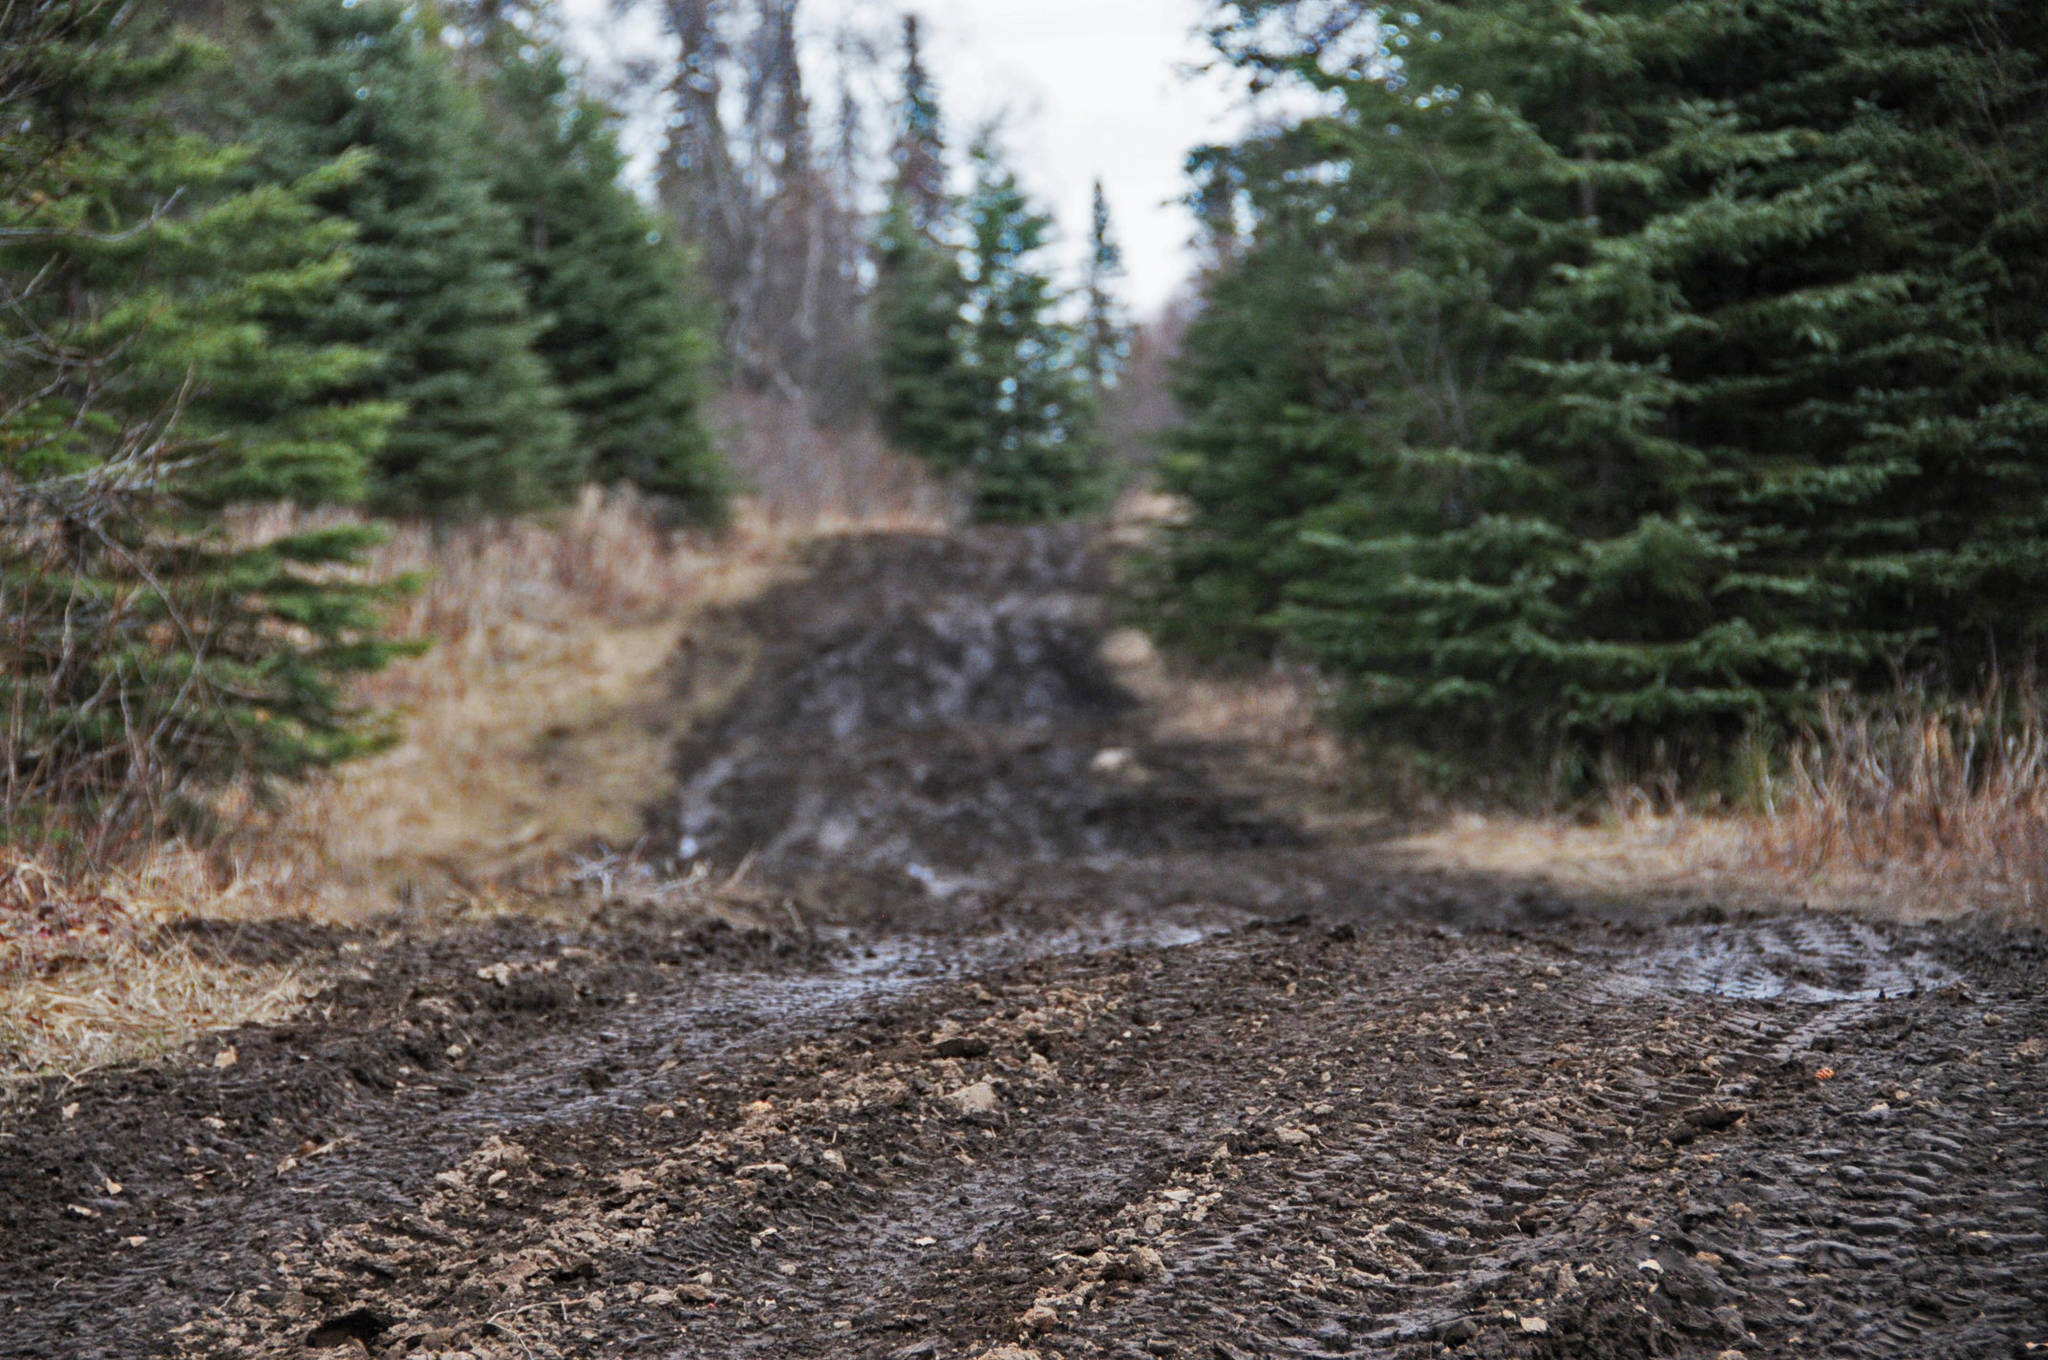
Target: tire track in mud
{"x": 1059, "y": 1082}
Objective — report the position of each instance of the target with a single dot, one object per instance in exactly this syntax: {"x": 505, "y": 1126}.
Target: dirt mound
{"x": 930, "y": 712}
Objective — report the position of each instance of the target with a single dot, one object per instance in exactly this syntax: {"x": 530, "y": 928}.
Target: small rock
{"x": 1112, "y": 760}
{"x": 1535, "y": 1326}
{"x": 1134, "y": 1264}
{"x": 1040, "y": 1318}
{"x": 227, "y": 1057}
{"x": 1291, "y": 1135}
{"x": 961, "y": 1046}
{"x": 1650, "y": 1266}
{"x": 1009, "y": 1353}
{"x": 979, "y": 1098}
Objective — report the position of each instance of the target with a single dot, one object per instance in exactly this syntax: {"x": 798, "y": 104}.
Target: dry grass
{"x": 1927, "y": 805}
{"x": 1912, "y": 805}
{"x": 86, "y": 977}
{"x": 541, "y": 719}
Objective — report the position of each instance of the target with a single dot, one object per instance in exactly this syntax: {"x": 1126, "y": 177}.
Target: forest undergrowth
{"x": 1911, "y": 805}
{"x": 536, "y": 722}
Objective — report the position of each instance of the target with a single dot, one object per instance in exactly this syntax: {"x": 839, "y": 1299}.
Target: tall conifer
{"x": 436, "y": 290}
{"x": 928, "y": 401}
{"x": 1036, "y": 454}
{"x": 153, "y": 373}
{"x": 1105, "y": 330}
{"x": 621, "y": 332}
{"x": 1603, "y": 380}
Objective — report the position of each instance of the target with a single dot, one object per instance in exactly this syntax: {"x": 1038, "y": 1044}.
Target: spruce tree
{"x": 621, "y": 332}
{"x": 919, "y": 152}
{"x": 436, "y": 289}
{"x": 1105, "y": 330}
{"x": 154, "y": 373}
{"x": 928, "y": 401}
{"x": 1604, "y": 380}
{"x": 1036, "y": 455}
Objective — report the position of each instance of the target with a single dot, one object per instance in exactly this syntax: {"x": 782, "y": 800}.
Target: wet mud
{"x": 1069, "y": 1047}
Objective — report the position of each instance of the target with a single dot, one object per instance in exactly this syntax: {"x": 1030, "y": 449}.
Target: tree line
{"x": 1591, "y": 385}
{"x": 901, "y": 281}
{"x": 381, "y": 254}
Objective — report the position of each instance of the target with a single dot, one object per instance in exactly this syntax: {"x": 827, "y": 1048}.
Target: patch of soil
{"x": 936, "y": 712}
{"x": 1069, "y": 1052}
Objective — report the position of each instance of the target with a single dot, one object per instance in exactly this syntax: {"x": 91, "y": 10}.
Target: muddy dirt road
{"x": 1058, "y": 1041}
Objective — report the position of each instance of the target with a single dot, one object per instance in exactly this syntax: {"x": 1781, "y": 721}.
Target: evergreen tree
{"x": 620, "y": 331}
{"x": 436, "y": 290}
{"x": 1036, "y": 455}
{"x": 1603, "y": 380}
{"x": 919, "y": 152}
{"x": 152, "y": 375}
{"x": 1105, "y": 331}
{"x": 928, "y": 399}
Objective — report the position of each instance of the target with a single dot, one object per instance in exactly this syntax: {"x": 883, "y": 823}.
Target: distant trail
{"x": 1077, "y": 1051}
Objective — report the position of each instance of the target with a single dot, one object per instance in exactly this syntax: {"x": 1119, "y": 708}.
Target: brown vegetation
{"x": 539, "y": 720}
{"x": 1931, "y": 806}
{"x": 1912, "y": 806}
{"x": 89, "y": 976}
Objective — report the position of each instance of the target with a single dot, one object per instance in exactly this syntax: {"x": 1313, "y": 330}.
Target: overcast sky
{"x": 1091, "y": 88}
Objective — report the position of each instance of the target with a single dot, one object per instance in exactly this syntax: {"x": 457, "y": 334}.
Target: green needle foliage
{"x": 1601, "y": 379}
{"x": 980, "y": 377}
{"x": 153, "y": 374}
{"x": 927, "y": 399}
{"x": 437, "y": 288}
{"x": 619, "y": 330}
{"x": 1035, "y": 456}
{"x": 1105, "y": 330}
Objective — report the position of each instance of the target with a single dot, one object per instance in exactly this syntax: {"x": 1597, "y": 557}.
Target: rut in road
{"x": 1084, "y": 1051}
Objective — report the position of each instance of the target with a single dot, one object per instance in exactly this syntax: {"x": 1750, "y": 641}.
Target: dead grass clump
{"x": 540, "y": 717}
{"x": 1930, "y": 804}
{"x": 88, "y": 977}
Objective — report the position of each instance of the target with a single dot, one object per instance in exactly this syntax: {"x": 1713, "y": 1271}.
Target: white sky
{"x": 1089, "y": 87}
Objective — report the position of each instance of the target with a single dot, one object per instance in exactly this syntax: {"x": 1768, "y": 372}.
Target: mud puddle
{"x": 1069, "y": 1048}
